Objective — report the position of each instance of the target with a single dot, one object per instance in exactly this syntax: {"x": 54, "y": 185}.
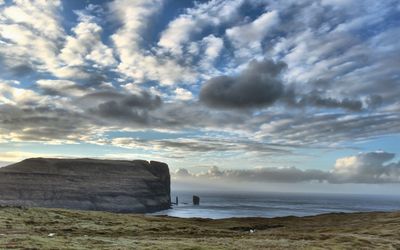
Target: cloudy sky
{"x": 260, "y": 91}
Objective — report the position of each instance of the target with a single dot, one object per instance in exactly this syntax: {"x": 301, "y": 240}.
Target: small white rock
{"x": 51, "y": 234}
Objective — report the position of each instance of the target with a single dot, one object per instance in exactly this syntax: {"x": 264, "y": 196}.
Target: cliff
{"x": 86, "y": 184}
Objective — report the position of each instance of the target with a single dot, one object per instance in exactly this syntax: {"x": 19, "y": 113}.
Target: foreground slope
{"x": 87, "y": 184}
{"x": 36, "y": 228}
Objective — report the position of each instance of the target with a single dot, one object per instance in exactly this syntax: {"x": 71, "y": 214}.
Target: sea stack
{"x": 87, "y": 184}
{"x": 196, "y": 200}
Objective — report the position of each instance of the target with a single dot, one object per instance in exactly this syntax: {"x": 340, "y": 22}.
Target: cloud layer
{"x": 372, "y": 167}
{"x": 219, "y": 78}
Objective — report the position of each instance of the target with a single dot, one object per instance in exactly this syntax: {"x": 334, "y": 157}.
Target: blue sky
{"x": 293, "y": 91}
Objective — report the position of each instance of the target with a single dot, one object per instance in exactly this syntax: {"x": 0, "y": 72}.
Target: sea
{"x": 227, "y": 205}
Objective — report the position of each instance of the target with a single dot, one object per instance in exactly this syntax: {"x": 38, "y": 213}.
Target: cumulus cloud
{"x": 247, "y": 38}
{"x": 258, "y": 85}
{"x": 182, "y": 172}
{"x": 183, "y": 94}
{"x": 13, "y": 95}
{"x": 31, "y": 33}
{"x": 371, "y": 167}
{"x": 136, "y": 62}
{"x": 213, "y": 47}
{"x": 182, "y": 30}
{"x": 126, "y": 108}
{"x": 86, "y": 45}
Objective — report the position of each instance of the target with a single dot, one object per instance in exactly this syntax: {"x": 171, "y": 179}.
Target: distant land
{"x": 87, "y": 184}
{"x": 38, "y": 228}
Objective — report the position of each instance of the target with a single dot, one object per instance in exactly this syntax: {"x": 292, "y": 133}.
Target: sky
{"x": 275, "y": 95}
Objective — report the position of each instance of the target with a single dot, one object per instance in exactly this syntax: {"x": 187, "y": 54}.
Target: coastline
{"x": 41, "y": 228}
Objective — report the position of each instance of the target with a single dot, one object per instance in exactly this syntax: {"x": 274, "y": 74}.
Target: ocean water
{"x": 222, "y": 205}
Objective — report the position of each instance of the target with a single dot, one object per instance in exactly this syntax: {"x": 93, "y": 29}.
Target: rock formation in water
{"x": 87, "y": 184}
{"x": 196, "y": 200}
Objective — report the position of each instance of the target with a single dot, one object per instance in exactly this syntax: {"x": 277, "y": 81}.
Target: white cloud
{"x": 32, "y": 33}
{"x": 178, "y": 32}
{"x": 86, "y": 45}
{"x": 40, "y": 15}
{"x": 136, "y": 62}
{"x": 10, "y": 157}
{"x": 183, "y": 94}
{"x": 369, "y": 167}
{"x": 63, "y": 87}
{"x": 17, "y": 96}
{"x": 247, "y": 38}
{"x": 372, "y": 167}
{"x": 181, "y": 31}
{"x": 15, "y": 156}
{"x": 213, "y": 47}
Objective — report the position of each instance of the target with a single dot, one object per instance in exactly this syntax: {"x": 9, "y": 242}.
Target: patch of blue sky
{"x": 380, "y": 23}
{"x": 70, "y": 16}
{"x": 318, "y": 158}
{"x": 388, "y": 143}
{"x": 170, "y": 10}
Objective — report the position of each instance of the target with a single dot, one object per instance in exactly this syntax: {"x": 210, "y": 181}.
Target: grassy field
{"x": 37, "y": 228}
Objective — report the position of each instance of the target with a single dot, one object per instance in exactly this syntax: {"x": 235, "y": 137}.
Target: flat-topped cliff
{"x": 87, "y": 184}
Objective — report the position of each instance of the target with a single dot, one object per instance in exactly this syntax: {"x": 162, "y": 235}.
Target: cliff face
{"x": 87, "y": 184}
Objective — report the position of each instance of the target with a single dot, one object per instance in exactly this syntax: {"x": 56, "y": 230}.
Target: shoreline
{"x": 43, "y": 228}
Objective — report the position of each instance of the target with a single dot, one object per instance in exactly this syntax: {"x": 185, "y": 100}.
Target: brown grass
{"x": 30, "y": 228}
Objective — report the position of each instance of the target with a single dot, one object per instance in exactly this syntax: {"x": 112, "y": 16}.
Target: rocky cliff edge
{"x": 87, "y": 184}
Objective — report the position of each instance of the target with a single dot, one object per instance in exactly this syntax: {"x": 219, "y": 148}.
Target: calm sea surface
{"x": 218, "y": 205}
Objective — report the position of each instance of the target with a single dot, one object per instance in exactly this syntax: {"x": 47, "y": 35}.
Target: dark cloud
{"x": 185, "y": 146}
{"x": 101, "y": 96}
{"x": 117, "y": 110}
{"x": 327, "y": 129}
{"x": 374, "y": 101}
{"x": 314, "y": 99}
{"x": 42, "y": 123}
{"x": 369, "y": 167}
{"x": 57, "y": 89}
{"x": 258, "y": 85}
{"x": 142, "y": 100}
{"x": 87, "y": 76}
{"x": 129, "y": 108}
